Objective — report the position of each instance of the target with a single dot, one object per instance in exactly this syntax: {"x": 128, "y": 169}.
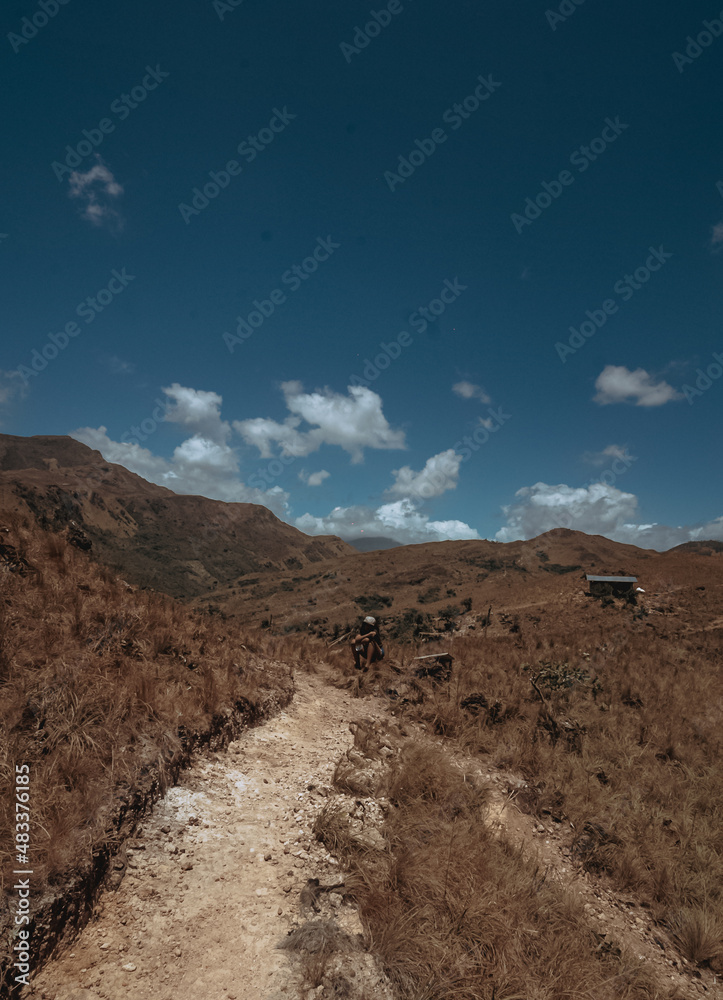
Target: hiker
{"x": 366, "y": 646}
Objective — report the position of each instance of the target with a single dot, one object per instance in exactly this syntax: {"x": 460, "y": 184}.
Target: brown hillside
{"x": 183, "y": 545}
{"x": 243, "y": 559}
{"x": 537, "y": 583}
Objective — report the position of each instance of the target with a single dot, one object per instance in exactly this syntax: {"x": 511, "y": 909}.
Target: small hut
{"x": 611, "y": 586}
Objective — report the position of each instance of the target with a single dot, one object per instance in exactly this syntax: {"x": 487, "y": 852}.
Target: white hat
{"x": 370, "y": 621}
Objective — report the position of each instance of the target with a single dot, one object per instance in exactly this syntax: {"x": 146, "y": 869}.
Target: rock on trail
{"x": 213, "y": 879}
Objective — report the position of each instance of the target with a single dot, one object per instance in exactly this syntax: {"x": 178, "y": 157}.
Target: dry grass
{"x": 698, "y": 934}
{"x": 99, "y": 685}
{"x": 455, "y": 913}
{"x": 624, "y": 740}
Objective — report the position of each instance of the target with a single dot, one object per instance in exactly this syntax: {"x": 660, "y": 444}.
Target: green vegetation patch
{"x": 373, "y": 602}
{"x": 557, "y": 568}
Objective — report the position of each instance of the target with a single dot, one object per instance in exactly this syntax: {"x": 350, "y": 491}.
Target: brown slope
{"x": 540, "y": 582}
{"x": 44, "y": 451}
{"x": 184, "y": 545}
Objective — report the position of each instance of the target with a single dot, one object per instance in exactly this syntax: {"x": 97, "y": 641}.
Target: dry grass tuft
{"x": 317, "y": 941}
{"x": 699, "y": 935}
{"x": 316, "y": 937}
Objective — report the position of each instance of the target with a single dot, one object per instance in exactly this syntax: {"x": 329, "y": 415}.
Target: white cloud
{"x": 202, "y": 467}
{"x": 206, "y": 464}
{"x": 468, "y": 390}
{"x": 200, "y": 453}
{"x": 314, "y": 478}
{"x": 440, "y": 473}
{"x": 608, "y": 454}
{"x": 96, "y": 190}
{"x": 198, "y": 411}
{"x": 597, "y": 509}
{"x": 661, "y": 536}
{"x": 616, "y": 384}
{"x": 263, "y": 432}
{"x": 352, "y": 422}
{"x": 203, "y": 464}
{"x": 400, "y": 520}
{"x": 716, "y": 236}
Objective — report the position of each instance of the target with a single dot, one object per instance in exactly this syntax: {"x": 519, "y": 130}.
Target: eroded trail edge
{"x": 213, "y": 881}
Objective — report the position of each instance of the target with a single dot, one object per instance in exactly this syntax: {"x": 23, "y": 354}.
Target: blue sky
{"x": 396, "y": 269}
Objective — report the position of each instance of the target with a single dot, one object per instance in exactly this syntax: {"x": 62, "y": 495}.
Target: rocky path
{"x": 212, "y": 884}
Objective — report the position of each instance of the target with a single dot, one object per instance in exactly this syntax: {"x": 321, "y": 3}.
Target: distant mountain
{"x": 183, "y": 545}
{"x": 533, "y": 582}
{"x": 702, "y": 548}
{"x": 368, "y": 544}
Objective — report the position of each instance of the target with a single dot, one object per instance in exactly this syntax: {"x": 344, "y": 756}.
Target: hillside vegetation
{"x": 615, "y": 736}
{"x": 183, "y": 545}
{"x": 104, "y": 690}
{"x": 603, "y": 718}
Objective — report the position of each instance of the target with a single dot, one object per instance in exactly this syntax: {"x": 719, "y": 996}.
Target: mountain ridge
{"x": 184, "y": 545}
{"x": 241, "y": 559}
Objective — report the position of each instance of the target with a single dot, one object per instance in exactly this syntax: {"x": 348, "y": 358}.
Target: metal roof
{"x": 611, "y": 579}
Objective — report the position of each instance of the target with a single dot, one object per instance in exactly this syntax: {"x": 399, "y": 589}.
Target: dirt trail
{"x": 212, "y": 884}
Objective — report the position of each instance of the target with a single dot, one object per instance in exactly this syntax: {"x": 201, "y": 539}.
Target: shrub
{"x": 557, "y": 568}
{"x": 372, "y": 602}
{"x": 429, "y": 595}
